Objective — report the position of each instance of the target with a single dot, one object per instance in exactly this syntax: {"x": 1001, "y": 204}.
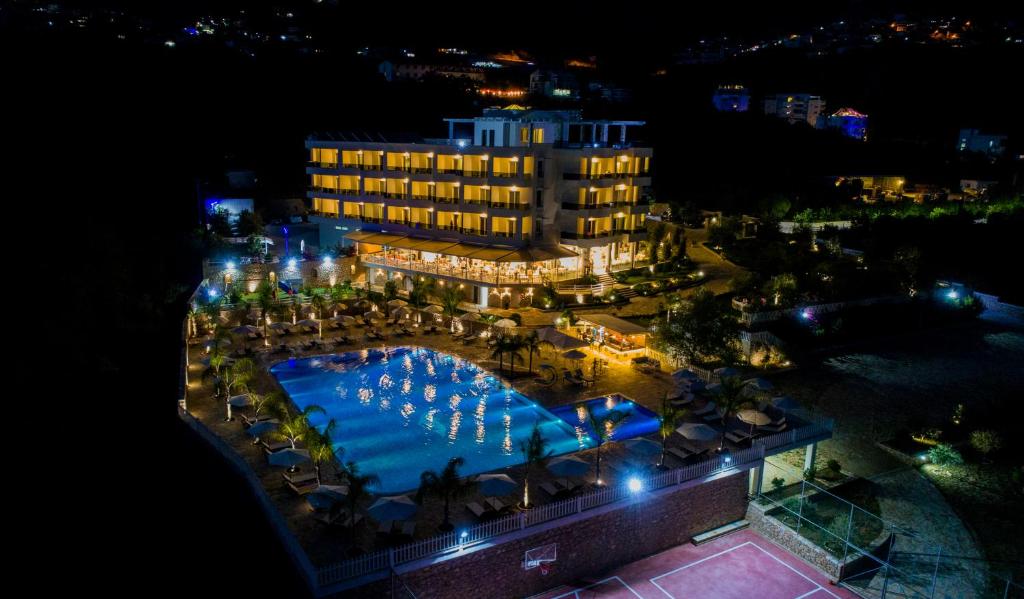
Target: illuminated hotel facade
{"x": 512, "y": 199}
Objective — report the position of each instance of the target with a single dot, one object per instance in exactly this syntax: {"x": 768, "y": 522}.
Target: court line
{"x": 805, "y": 577}
{"x": 575, "y": 592}
{"x": 723, "y": 552}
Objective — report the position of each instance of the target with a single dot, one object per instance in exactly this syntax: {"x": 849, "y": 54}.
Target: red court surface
{"x": 741, "y": 565}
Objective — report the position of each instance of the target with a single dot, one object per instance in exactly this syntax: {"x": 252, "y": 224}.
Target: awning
{"x": 359, "y": 235}
{"x": 432, "y": 245}
{"x": 374, "y": 237}
{"x": 613, "y": 323}
{"x": 461, "y": 250}
{"x": 490, "y": 254}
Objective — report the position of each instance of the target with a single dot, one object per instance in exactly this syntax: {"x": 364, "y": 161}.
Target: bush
{"x": 778, "y": 483}
{"x": 809, "y": 473}
{"x": 986, "y": 441}
{"x": 944, "y": 454}
{"x": 835, "y": 466}
{"x": 516, "y": 318}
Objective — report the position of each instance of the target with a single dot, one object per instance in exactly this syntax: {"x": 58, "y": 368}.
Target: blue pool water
{"x": 637, "y": 420}
{"x": 403, "y": 410}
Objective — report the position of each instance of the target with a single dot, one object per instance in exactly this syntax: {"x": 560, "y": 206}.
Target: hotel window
{"x": 538, "y": 198}
{"x": 538, "y": 136}
{"x": 524, "y": 135}
{"x": 513, "y": 196}
{"x": 540, "y": 169}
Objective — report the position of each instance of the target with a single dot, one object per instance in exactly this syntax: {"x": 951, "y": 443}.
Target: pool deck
{"x": 326, "y": 545}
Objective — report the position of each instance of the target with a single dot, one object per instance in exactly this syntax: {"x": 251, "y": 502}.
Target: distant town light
{"x": 634, "y": 484}
{"x": 231, "y": 265}
{"x": 327, "y": 260}
{"x": 806, "y": 314}
{"x": 952, "y": 294}
{"x": 292, "y": 262}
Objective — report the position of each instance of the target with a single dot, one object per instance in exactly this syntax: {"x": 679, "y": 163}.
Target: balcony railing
{"x": 466, "y": 173}
{"x": 350, "y": 165}
{"x": 394, "y": 195}
{"x": 610, "y": 175}
{"x": 318, "y": 164}
{"x": 421, "y": 170}
{"x": 371, "y": 167}
{"x": 587, "y": 206}
{"x": 522, "y": 206}
{"x": 490, "y": 276}
{"x": 334, "y": 190}
{"x": 450, "y": 171}
{"x": 399, "y": 168}
{"x": 371, "y": 219}
{"x": 508, "y": 175}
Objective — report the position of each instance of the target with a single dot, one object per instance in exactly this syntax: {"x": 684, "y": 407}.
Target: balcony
{"x": 594, "y": 176}
{"x": 507, "y": 175}
{"x": 421, "y": 170}
{"x": 316, "y": 164}
{"x": 506, "y": 234}
{"x": 370, "y": 167}
{"x": 594, "y": 235}
{"x": 521, "y": 206}
{"x": 372, "y": 219}
{"x": 399, "y": 168}
{"x": 449, "y": 171}
{"x": 394, "y": 195}
{"x": 409, "y": 223}
{"x": 463, "y": 230}
{"x": 334, "y": 190}
{"x": 355, "y": 165}
{"x": 474, "y": 173}
{"x": 587, "y": 206}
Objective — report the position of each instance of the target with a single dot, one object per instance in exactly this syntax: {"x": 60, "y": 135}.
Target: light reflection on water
{"x": 391, "y": 422}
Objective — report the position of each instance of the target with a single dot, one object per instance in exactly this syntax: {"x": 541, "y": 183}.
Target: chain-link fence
{"x": 878, "y": 558}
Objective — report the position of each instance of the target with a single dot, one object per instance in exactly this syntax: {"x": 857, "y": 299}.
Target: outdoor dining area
{"x": 490, "y": 264}
{"x": 613, "y": 334}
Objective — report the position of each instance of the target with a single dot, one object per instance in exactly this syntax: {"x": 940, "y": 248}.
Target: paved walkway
{"x": 742, "y": 565}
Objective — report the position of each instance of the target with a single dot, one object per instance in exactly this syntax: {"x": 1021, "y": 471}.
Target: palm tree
{"x": 730, "y": 400}
{"x": 390, "y": 293}
{"x": 604, "y": 427}
{"x": 240, "y": 314}
{"x": 237, "y": 377}
{"x": 500, "y": 347}
{"x": 450, "y": 300}
{"x": 270, "y": 402}
{"x": 670, "y": 416}
{"x": 513, "y": 343}
{"x": 358, "y": 489}
{"x": 447, "y": 485}
{"x": 321, "y": 446}
{"x": 297, "y": 427}
{"x": 217, "y": 359}
{"x": 421, "y": 288}
{"x": 535, "y": 453}
{"x": 531, "y": 343}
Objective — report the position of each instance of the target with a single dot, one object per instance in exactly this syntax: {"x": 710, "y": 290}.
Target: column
{"x": 756, "y": 476}
{"x": 810, "y": 452}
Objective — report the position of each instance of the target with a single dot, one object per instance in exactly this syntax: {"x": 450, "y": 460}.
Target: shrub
{"x": 809, "y": 473}
{"x": 986, "y": 441}
{"x": 778, "y": 483}
{"x": 516, "y": 318}
{"x": 944, "y": 454}
{"x": 835, "y": 466}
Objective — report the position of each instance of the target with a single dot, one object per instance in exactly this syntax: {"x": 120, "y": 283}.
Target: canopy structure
{"x": 560, "y": 340}
{"x": 616, "y": 334}
{"x": 488, "y": 253}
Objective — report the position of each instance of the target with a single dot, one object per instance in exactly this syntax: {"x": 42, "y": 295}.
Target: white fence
{"x": 574, "y": 507}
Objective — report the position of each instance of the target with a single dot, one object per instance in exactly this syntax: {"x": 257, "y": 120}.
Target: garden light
{"x": 634, "y": 484}
{"x": 231, "y": 265}
{"x": 327, "y": 260}
{"x": 806, "y": 314}
{"x": 952, "y": 294}
{"x": 292, "y": 263}
{"x": 212, "y": 293}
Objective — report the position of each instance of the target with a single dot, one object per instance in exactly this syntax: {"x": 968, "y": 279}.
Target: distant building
{"x": 554, "y": 84}
{"x": 731, "y": 98}
{"x": 416, "y": 71}
{"x": 796, "y": 108}
{"x": 850, "y": 123}
{"x": 610, "y": 92}
{"x": 975, "y": 187}
{"x": 973, "y": 140}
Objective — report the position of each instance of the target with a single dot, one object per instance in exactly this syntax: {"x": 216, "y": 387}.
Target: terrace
{"x": 621, "y": 463}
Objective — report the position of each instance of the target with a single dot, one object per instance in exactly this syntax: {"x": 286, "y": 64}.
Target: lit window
{"x": 538, "y": 136}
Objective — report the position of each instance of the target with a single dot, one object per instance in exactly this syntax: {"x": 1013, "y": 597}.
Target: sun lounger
{"x": 681, "y": 401}
{"x": 495, "y": 503}
{"x": 711, "y": 417}
{"x": 276, "y": 446}
{"x": 680, "y": 454}
{"x": 251, "y": 420}
{"x": 341, "y": 518}
{"x": 385, "y": 527}
{"x": 304, "y": 487}
{"x": 408, "y": 528}
{"x": 737, "y": 437}
{"x": 469, "y": 340}
{"x": 299, "y": 477}
{"x": 707, "y": 409}
{"x": 476, "y": 509}
{"x": 777, "y": 428}
{"x": 550, "y": 489}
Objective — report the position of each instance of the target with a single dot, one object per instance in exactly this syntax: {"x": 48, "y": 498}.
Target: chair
{"x": 304, "y": 487}
{"x": 270, "y": 448}
{"x": 408, "y": 528}
{"x": 550, "y": 489}
{"x": 495, "y": 503}
{"x": 737, "y": 437}
{"x": 476, "y": 509}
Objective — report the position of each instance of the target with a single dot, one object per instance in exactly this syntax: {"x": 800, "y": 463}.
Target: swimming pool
{"x": 403, "y": 410}
{"x": 636, "y": 420}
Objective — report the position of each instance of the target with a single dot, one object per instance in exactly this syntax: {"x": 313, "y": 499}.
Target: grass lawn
{"x": 988, "y": 500}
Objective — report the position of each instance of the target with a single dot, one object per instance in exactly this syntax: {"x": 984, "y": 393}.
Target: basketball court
{"x": 741, "y": 565}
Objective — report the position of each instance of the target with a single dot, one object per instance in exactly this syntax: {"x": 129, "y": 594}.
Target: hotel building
{"x": 797, "y": 108}
{"x": 510, "y": 200}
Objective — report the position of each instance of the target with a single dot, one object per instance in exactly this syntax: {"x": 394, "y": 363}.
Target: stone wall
{"x": 791, "y": 541}
{"x": 311, "y": 272}
{"x": 586, "y": 548}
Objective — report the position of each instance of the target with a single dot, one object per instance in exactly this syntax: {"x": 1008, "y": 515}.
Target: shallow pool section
{"x": 403, "y": 410}
{"x": 636, "y": 421}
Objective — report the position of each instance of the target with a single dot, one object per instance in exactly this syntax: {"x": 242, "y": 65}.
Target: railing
{"x": 316, "y": 164}
{"x": 439, "y": 267}
{"x": 466, "y": 173}
{"x": 574, "y": 508}
{"x": 394, "y": 195}
{"x": 334, "y": 190}
{"x": 592, "y": 176}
